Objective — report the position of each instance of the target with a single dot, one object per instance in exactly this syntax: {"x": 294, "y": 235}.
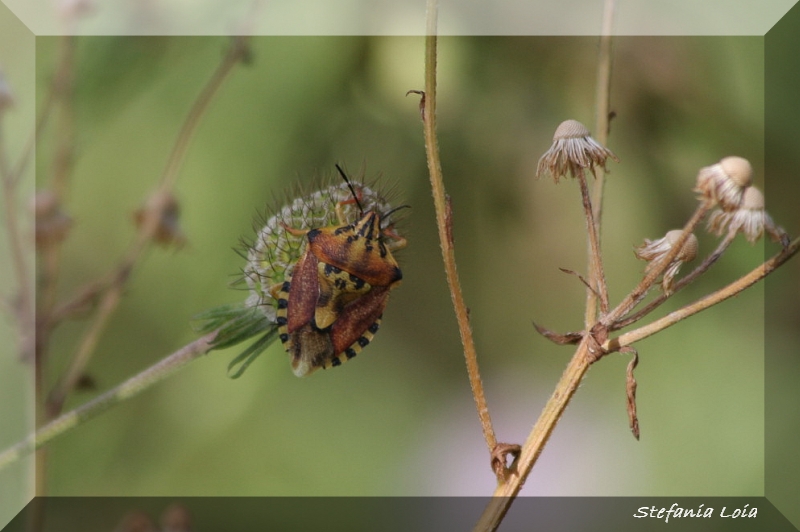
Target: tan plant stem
{"x": 584, "y": 356}
{"x": 597, "y": 276}
{"x": 684, "y": 281}
{"x": 128, "y": 389}
{"x": 47, "y": 289}
{"x": 601, "y": 127}
{"x": 442, "y": 223}
{"x": 59, "y": 103}
{"x": 24, "y": 311}
{"x": 710, "y": 300}
{"x": 506, "y": 492}
{"x": 118, "y": 279}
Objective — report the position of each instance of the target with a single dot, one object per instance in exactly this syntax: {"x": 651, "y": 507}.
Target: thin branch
{"x": 58, "y": 103}
{"x": 24, "y": 308}
{"x": 601, "y": 127}
{"x": 684, "y": 281}
{"x": 444, "y": 223}
{"x": 118, "y": 279}
{"x": 710, "y": 300}
{"x": 638, "y": 293}
{"x": 128, "y": 389}
{"x": 587, "y": 353}
{"x": 597, "y": 276}
{"x": 506, "y": 492}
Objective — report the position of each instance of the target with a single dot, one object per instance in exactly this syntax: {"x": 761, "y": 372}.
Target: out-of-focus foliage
{"x": 400, "y": 420}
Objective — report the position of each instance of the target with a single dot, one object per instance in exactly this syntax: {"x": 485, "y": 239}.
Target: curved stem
{"x": 444, "y": 224}
{"x": 118, "y": 279}
{"x": 684, "y": 281}
{"x": 710, "y": 300}
{"x": 638, "y": 293}
{"x": 506, "y": 492}
{"x": 128, "y": 389}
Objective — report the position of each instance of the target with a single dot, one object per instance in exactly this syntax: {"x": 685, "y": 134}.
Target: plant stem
{"x": 444, "y": 223}
{"x": 506, "y": 492}
{"x": 597, "y": 276}
{"x": 24, "y": 311}
{"x": 601, "y": 123}
{"x": 684, "y": 281}
{"x": 128, "y": 389}
{"x": 118, "y": 279}
{"x": 708, "y": 301}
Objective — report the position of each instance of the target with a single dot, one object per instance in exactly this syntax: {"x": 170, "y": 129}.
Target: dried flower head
{"x": 750, "y": 219}
{"x": 655, "y": 250}
{"x": 52, "y": 224}
{"x": 168, "y": 230}
{"x": 573, "y": 150}
{"x": 725, "y": 182}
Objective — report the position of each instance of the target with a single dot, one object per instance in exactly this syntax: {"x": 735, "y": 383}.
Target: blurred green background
{"x": 400, "y": 419}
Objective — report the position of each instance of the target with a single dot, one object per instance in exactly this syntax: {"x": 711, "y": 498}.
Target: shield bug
{"x": 331, "y": 303}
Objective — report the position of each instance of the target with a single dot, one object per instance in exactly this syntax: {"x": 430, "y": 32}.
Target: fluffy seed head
{"x": 750, "y": 219}
{"x": 738, "y": 169}
{"x": 655, "y": 250}
{"x": 573, "y": 150}
{"x": 570, "y": 129}
{"x": 725, "y": 182}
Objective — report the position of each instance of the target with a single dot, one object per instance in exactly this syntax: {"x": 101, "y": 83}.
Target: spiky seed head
{"x": 275, "y": 251}
{"x": 573, "y": 150}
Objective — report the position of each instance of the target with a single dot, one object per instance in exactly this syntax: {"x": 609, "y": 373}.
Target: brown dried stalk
{"x": 159, "y": 203}
{"x": 498, "y": 452}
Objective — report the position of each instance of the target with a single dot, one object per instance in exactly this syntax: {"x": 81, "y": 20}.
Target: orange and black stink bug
{"x": 330, "y": 305}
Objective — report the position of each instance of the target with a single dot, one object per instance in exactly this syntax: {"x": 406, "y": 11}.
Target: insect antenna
{"x": 350, "y": 186}
{"x": 386, "y": 216}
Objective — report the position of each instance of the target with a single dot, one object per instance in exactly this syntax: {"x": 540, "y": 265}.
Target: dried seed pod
{"x": 168, "y": 230}
{"x": 725, "y": 182}
{"x": 573, "y": 149}
{"x": 52, "y": 224}
{"x": 655, "y": 250}
{"x": 750, "y": 219}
